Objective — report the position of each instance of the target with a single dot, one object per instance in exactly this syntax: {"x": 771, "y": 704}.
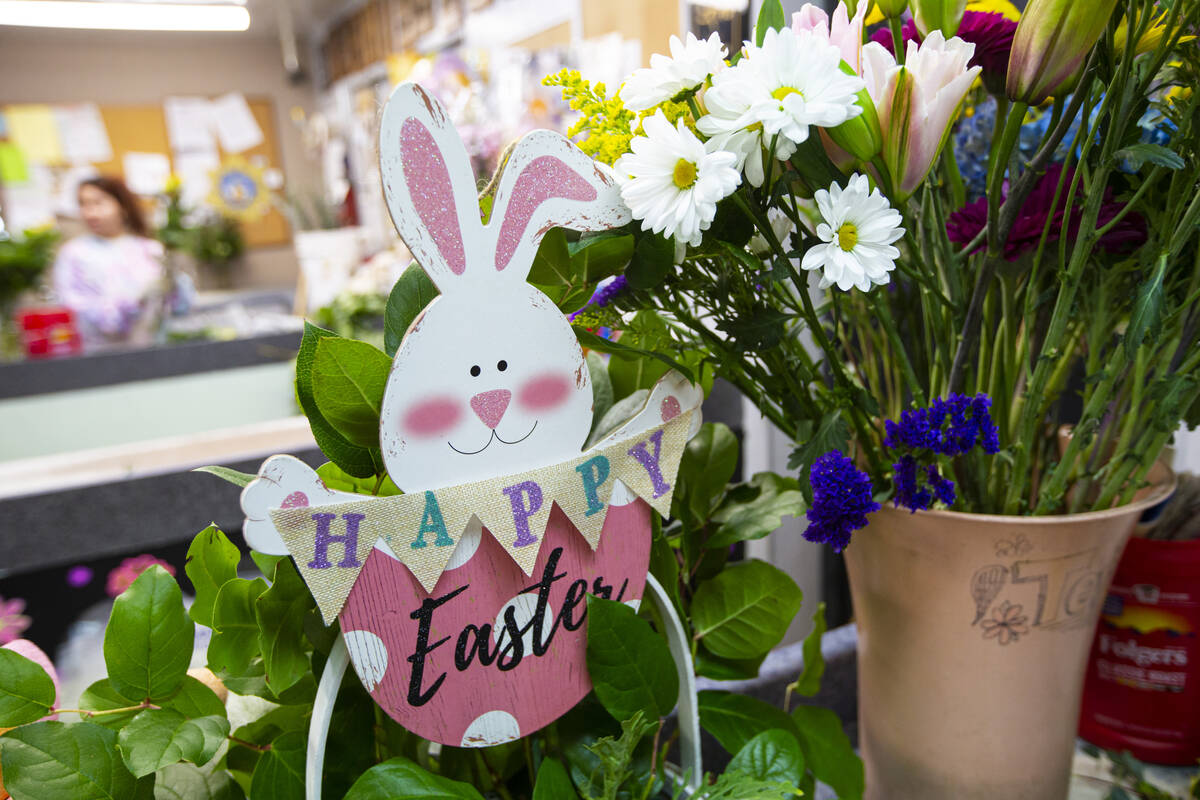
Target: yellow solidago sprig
{"x": 605, "y": 122}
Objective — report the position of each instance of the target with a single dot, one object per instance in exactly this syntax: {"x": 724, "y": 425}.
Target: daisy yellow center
{"x": 684, "y": 174}
{"x": 784, "y": 91}
{"x": 847, "y": 236}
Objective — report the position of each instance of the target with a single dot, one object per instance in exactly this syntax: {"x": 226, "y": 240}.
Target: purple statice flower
{"x": 842, "y": 498}
{"x": 13, "y": 621}
{"x": 79, "y": 576}
{"x": 943, "y": 488}
{"x": 970, "y": 423}
{"x": 910, "y": 491}
{"x": 969, "y": 220}
{"x": 603, "y": 296}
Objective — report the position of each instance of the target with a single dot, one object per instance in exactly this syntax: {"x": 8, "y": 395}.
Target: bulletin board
{"x": 143, "y": 129}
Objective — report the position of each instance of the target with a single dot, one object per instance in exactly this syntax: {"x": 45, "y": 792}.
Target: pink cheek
{"x": 432, "y": 417}
{"x": 544, "y": 392}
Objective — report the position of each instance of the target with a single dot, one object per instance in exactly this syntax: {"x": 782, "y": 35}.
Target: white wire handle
{"x": 688, "y": 709}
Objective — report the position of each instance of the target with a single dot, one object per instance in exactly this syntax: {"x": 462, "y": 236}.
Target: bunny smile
{"x": 493, "y": 437}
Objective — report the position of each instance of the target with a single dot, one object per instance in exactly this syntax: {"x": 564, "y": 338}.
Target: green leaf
{"x": 100, "y": 696}
{"x": 758, "y": 330}
{"x": 771, "y": 755}
{"x": 188, "y": 782}
{"x": 355, "y": 460}
{"x": 809, "y": 682}
{"x": 1139, "y": 154}
{"x": 831, "y": 434}
{"x": 212, "y": 561}
{"x": 235, "y": 627}
{"x": 598, "y": 256}
{"x": 280, "y": 612}
{"x": 630, "y": 374}
{"x": 149, "y": 640}
{"x": 195, "y": 699}
{"x": 602, "y": 388}
{"x": 627, "y": 353}
{"x": 735, "y": 719}
{"x": 349, "y": 377}
{"x": 553, "y": 782}
{"x": 741, "y": 520}
{"x": 401, "y": 779}
{"x": 664, "y": 566}
{"x": 279, "y": 773}
{"x": 629, "y": 664}
{"x": 337, "y": 479}
{"x": 622, "y": 411}
{"x": 708, "y": 463}
{"x": 653, "y": 259}
{"x": 55, "y": 760}
{"x": 828, "y": 752}
{"x": 745, "y": 610}
{"x": 407, "y": 299}
{"x": 158, "y": 737}
{"x": 26, "y": 690}
{"x": 266, "y": 563}
{"x": 726, "y": 669}
{"x": 225, "y": 473}
{"x": 770, "y": 17}
{"x": 1146, "y": 317}
{"x": 552, "y": 263}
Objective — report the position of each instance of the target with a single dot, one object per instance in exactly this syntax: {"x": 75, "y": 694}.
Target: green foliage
{"x": 653, "y": 259}
{"x": 708, "y": 463}
{"x": 407, "y": 299}
{"x": 355, "y": 315}
{"x": 23, "y": 260}
{"x": 335, "y": 478}
{"x": 234, "y": 641}
{"x": 280, "y": 612}
{"x": 148, "y": 642}
{"x": 770, "y": 17}
{"x": 616, "y": 755}
{"x": 26, "y": 691}
{"x": 356, "y": 460}
{"x": 745, "y": 610}
{"x": 629, "y": 664}
{"x": 735, "y": 719}
{"x": 71, "y": 762}
{"x": 188, "y": 782}
{"x": 401, "y": 779}
{"x": 755, "y": 509}
{"x": 809, "y": 682}
{"x": 231, "y": 475}
{"x": 212, "y": 562}
{"x": 348, "y": 382}
{"x": 771, "y": 755}
{"x": 553, "y": 782}
{"x": 157, "y": 738}
{"x": 279, "y": 773}
{"x": 828, "y": 751}
{"x": 216, "y": 241}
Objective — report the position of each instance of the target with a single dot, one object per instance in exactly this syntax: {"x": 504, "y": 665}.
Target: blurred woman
{"x": 112, "y": 277}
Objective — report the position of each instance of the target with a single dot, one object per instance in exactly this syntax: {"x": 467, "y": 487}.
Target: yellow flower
{"x": 995, "y": 7}
{"x": 604, "y": 121}
{"x": 1149, "y": 40}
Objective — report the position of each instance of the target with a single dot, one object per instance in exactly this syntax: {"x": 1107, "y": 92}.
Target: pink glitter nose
{"x": 490, "y": 406}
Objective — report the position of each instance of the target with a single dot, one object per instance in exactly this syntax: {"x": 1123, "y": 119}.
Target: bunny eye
{"x": 475, "y": 370}
{"x": 502, "y": 365}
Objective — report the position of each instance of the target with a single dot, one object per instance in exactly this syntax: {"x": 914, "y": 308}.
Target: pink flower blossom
{"x": 12, "y": 622}
{"x": 124, "y": 575}
{"x": 917, "y": 102}
{"x": 845, "y": 33}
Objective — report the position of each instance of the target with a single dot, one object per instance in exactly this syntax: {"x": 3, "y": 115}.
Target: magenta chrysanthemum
{"x": 969, "y": 220}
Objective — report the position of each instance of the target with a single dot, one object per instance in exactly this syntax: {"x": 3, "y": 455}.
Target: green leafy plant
{"x": 23, "y": 260}
{"x": 217, "y": 241}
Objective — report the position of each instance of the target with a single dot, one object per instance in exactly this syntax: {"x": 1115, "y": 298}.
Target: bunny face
{"x": 490, "y": 379}
{"x": 482, "y": 388}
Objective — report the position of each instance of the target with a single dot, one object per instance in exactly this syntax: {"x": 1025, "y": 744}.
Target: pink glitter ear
{"x": 429, "y": 186}
{"x": 544, "y": 178}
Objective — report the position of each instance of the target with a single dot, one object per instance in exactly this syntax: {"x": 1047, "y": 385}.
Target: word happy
{"x": 524, "y": 498}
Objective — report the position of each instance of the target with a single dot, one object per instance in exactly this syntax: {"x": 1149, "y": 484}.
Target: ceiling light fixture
{"x": 124, "y": 16}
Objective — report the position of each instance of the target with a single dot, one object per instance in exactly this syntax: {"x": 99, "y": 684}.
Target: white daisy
{"x": 793, "y": 81}
{"x": 858, "y": 230}
{"x": 671, "y": 182}
{"x": 688, "y": 66}
{"x": 802, "y": 77}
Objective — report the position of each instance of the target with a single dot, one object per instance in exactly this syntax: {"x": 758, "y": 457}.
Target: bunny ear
{"x": 549, "y": 182}
{"x": 429, "y": 184}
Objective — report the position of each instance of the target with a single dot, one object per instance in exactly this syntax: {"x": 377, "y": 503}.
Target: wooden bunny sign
{"x": 462, "y": 602}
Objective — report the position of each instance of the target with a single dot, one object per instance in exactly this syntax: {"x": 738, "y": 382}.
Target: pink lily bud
{"x": 938, "y": 15}
{"x": 842, "y": 30}
{"x": 1051, "y": 41}
{"x": 917, "y": 103}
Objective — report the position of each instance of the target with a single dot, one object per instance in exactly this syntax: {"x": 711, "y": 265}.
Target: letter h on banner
{"x": 324, "y": 538}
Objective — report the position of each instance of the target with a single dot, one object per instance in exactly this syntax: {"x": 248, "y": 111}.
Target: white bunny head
{"x": 489, "y": 379}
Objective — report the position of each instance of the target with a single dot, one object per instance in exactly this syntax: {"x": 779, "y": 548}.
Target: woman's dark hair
{"x": 131, "y": 209}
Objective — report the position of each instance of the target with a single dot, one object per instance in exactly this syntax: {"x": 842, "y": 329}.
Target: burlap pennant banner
{"x": 331, "y": 542}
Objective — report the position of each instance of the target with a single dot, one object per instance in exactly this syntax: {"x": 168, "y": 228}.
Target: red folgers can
{"x": 1142, "y": 691}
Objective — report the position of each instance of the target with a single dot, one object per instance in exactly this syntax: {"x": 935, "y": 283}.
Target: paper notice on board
{"x": 146, "y": 173}
{"x": 30, "y": 204}
{"x": 84, "y": 137}
{"x": 34, "y": 130}
{"x": 237, "y": 129}
{"x": 13, "y": 169}
{"x": 189, "y": 124}
{"x": 195, "y": 171}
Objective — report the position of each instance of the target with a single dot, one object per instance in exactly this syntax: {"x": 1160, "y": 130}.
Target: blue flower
{"x": 602, "y": 297}
{"x": 970, "y": 423}
{"x": 842, "y": 498}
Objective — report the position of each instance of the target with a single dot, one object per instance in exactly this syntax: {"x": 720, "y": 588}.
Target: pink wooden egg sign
{"x": 462, "y": 602}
